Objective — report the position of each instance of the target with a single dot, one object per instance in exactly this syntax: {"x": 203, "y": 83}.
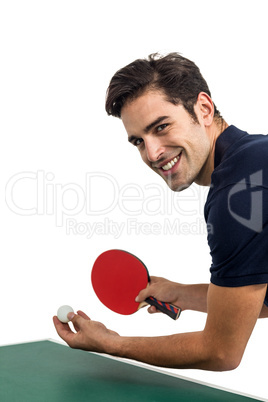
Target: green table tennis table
{"x": 47, "y": 371}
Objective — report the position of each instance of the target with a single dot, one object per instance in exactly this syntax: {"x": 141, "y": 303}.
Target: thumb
{"x": 70, "y": 316}
{"x": 142, "y": 296}
{"x": 144, "y": 293}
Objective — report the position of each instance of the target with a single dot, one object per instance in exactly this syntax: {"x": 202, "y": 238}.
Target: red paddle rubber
{"x": 166, "y": 308}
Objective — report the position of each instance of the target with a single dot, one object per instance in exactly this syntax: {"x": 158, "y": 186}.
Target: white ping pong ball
{"x": 62, "y": 313}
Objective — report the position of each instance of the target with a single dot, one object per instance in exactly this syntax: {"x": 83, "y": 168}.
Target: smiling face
{"x": 169, "y": 141}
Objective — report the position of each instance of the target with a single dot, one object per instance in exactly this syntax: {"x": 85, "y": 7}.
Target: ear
{"x": 205, "y": 108}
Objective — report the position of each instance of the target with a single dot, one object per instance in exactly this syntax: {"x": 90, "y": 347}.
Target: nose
{"x": 154, "y": 149}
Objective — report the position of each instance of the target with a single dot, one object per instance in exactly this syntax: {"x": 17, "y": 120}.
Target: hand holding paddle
{"x": 117, "y": 278}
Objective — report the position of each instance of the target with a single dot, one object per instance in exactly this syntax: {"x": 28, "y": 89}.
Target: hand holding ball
{"x": 62, "y": 313}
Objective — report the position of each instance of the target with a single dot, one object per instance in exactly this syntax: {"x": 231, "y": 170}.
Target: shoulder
{"x": 242, "y": 161}
{"x": 250, "y": 151}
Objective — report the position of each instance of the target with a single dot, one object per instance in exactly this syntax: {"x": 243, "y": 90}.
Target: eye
{"x": 161, "y": 127}
{"x": 138, "y": 142}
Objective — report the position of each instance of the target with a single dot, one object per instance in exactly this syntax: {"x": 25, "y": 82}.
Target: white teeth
{"x": 170, "y": 164}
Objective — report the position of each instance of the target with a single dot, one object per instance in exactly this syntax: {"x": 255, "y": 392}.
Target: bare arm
{"x": 264, "y": 312}
{"x": 232, "y": 314}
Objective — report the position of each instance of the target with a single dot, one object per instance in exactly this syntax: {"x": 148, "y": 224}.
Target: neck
{"x": 214, "y": 131}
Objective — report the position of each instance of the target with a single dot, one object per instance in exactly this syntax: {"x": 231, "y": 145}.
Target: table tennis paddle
{"x": 117, "y": 278}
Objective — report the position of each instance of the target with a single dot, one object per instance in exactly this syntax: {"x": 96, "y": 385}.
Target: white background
{"x": 65, "y": 164}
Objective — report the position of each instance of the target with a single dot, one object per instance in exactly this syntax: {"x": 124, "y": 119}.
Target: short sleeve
{"x": 237, "y": 224}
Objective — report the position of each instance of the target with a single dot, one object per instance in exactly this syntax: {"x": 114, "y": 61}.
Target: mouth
{"x": 170, "y": 165}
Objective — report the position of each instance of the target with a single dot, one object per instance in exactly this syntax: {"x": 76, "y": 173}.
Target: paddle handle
{"x": 166, "y": 308}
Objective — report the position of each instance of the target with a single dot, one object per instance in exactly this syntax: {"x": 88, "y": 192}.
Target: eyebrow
{"x": 149, "y": 127}
{"x": 154, "y": 123}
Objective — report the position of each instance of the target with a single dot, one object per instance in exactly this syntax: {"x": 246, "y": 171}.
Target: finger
{"x": 153, "y": 310}
{"x": 82, "y": 314}
{"x": 64, "y": 331}
{"x": 78, "y": 320}
{"x": 60, "y": 325}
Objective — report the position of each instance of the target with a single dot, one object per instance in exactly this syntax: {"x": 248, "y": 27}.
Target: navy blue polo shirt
{"x": 236, "y": 210}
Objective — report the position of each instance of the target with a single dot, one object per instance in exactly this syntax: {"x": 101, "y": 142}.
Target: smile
{"x": 171, "y": 163}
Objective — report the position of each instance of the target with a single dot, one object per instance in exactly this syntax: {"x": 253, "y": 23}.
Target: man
{"x": 167, "y": 110}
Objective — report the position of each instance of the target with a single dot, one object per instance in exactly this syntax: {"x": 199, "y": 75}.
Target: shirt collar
{"x": 227, "y": 138}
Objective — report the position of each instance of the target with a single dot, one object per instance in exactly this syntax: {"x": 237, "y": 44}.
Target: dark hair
{"x": 179, "y": 78}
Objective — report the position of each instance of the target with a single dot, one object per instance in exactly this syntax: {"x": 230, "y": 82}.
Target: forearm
{"x": 193, "y": 297}
{"x": 180, "y": 351}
